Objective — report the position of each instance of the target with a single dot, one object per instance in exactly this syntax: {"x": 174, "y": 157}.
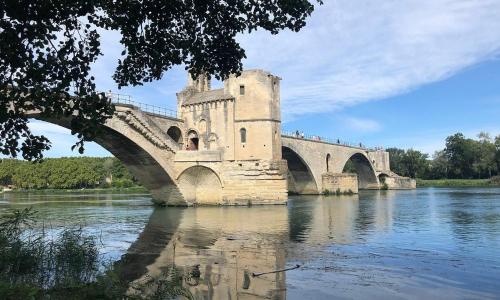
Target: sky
{"x": 401, "y": 74}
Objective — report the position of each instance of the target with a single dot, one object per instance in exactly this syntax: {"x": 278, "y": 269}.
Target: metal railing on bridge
{"x": 317, "y": 138}
{"x": 127, "y": 100}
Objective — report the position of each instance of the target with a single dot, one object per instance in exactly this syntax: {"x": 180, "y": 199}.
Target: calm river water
{"x": 424, "y": 244}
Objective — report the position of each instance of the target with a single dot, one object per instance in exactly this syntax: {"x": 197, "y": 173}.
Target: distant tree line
{"x": 65, "y": 173}
{"x": 462, "y": 158}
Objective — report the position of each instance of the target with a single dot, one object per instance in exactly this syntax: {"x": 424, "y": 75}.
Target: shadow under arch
{"x": 300, "y": 177}
{"x": 200, "y": 185}
{"x": 367, "y": 178}
{"x": 141, "y": 164}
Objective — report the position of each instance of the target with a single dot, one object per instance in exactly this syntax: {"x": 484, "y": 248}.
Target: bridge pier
{"x": 339, "y": 183}
{"x": 219, "y": 182}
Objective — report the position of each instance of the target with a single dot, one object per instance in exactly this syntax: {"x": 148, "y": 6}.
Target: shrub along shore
{"x": 66, "y": 173}
{"x": 67, "y": 265}
{"x": 132, "y": 189}
{"x": 492, "y": 182}
{"x": 462, "y": 158}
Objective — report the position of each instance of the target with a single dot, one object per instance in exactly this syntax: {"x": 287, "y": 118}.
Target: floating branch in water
{"x": 276, "y": 271}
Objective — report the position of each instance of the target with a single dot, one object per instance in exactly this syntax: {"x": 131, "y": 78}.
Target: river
{"x": 427, "y": 243}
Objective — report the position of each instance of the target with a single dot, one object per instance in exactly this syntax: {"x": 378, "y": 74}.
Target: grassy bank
{"x": 458, "y": 182}
{"x": 138, "y": 189}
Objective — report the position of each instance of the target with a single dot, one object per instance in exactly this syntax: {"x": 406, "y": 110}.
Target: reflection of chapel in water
{"x": 221, "y": 246}
{"x": 216, "y": 250}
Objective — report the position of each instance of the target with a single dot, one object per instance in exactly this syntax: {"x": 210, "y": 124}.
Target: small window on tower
{"x": 243, "y": 135}
{"x": 242, "y": 90}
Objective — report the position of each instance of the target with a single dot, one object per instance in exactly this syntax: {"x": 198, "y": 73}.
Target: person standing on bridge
{"x": 109, "y": 95}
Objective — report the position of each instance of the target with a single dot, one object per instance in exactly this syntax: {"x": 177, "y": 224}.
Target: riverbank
{"x": 138, "y": 189}
{"x": 493, "y": 182}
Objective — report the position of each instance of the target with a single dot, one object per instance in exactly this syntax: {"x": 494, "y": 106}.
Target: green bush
{"x": 28, "y": 256}
{"x": 453, "y": 182}
{"x": 34, "y": 265}
{"x": 122, "y": 183}
{"x": 65, "y": 173}
{"x": 32, "y": 262}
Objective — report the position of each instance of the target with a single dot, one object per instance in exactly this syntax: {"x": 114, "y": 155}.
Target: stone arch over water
{"x": 144, "y": 158}
{"x": 300, "y": 177}
{"x": 382, "y": 177}
{"x": 367, "y": 178}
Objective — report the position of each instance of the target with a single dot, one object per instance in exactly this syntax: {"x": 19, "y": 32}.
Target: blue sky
{"x": 393, "y": 73}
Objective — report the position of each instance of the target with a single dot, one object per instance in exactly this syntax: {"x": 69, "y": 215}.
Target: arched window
{"x": 175, "y": 134}
{"x": 243, "y": 135}
{"x": 328, "y": 162}
{"x": 192, "y": 144}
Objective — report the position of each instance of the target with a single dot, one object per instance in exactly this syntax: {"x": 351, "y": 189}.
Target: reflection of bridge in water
{"x": 219, "y": 243}
{"x": 225, "y": 146}
{"x": 227, "y": 245}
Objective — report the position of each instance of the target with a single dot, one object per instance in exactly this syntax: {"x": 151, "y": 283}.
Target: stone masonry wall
{"x": 342, "y": 182}
{"x": 254, "y": 182}
{"x": 403, "y": 183}
{"x": 232, "y": 182}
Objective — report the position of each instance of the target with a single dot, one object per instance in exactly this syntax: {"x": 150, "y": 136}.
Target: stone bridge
{"x": 225, "y": 147}
{"x": 138, "y": 139}
{"x": 309, "y": 161}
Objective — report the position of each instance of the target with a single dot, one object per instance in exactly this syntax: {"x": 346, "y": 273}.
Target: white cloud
{"x": 351, "y": 51}
{"x": 356, "y": 51}
{"x": 62, "y": 140}
{"x": 361, "y": 125}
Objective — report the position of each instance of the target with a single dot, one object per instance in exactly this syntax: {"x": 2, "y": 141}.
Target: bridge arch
{"x": 367, "y": 177}
{"x": 200, "y": 185}
{"x": 300, "y": 177}
{"x": 382, "y": 177}
{"x": 145, "y": 161}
